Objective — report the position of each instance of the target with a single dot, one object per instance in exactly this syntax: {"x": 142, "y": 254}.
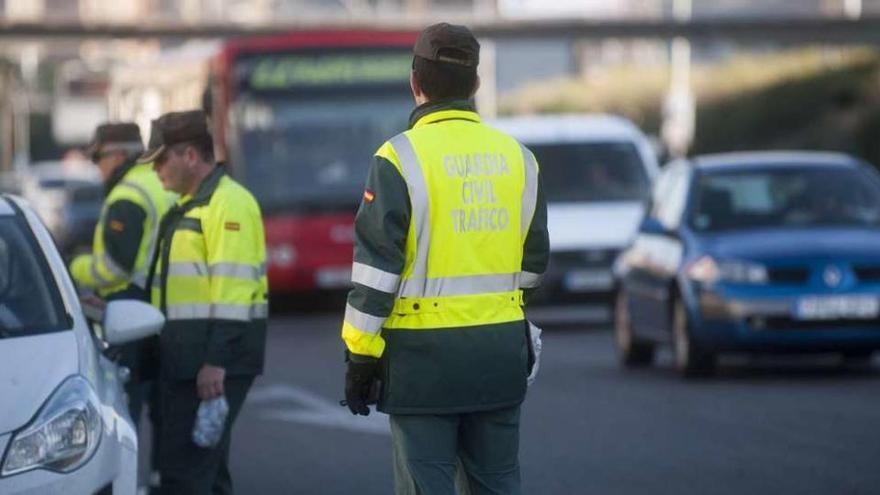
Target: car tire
{"x": 690, "y": 359}
{"x": 631, "y": 350}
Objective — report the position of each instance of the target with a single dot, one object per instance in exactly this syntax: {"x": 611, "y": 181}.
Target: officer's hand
{"x": 209, "y": 382}
{"x": 359, "y": 379}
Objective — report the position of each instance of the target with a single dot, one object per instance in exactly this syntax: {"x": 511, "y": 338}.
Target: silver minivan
{"x": 596, "y": 172}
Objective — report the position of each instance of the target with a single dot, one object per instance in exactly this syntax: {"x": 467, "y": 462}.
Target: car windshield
{"x": 787, "y": 197}
{"x": 29, "y": 300}
{"x": 315, "y": 153}
{"x": 597, "y": 171}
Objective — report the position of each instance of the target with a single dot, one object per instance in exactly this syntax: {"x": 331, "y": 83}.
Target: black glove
{"x": 360, "y": 383}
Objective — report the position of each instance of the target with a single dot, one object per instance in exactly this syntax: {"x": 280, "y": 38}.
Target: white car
{"x": 64, "y": 423}
{"x": 596, "y": 172}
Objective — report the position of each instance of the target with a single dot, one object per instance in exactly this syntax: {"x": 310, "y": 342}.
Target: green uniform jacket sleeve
{"x": 536, "y": 250}
{"x": 381, "y": 227}
{"x": 123, "y": 232}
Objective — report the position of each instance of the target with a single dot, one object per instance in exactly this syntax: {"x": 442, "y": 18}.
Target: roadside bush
{"x": 806, "y": 99}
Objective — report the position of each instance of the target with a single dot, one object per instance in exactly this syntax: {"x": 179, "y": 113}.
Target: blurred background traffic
{"x": 654, "y": 241}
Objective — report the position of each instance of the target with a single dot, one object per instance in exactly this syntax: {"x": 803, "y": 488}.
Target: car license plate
{"x": 333, "y": 278}
{"x": 588, "y": 280}
{"x": 837, "y": 307}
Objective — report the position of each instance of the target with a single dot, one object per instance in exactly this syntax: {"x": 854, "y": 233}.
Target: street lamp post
{"x": 679, "y": 106}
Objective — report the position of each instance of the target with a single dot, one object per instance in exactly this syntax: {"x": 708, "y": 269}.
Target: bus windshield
{"x": 313, "y": 153}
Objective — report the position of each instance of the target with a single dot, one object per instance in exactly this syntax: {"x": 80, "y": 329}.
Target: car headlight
{"x": 709, "y": 271}
{"x": 63, "y": 436}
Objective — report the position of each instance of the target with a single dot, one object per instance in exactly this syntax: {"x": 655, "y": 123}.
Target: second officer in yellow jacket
{"x": 209, "y": 280}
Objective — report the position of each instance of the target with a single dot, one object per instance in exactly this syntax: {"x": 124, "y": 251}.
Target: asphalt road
{"x": 803, "y": 426}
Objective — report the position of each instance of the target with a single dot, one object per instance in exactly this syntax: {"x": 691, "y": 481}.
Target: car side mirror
{"x": 651, "y": 225}
{"x": 128, "y": 320}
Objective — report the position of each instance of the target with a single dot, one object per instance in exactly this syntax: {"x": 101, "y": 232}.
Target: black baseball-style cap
{"x": 448, "y": 43}
{"x": 116, "y": 136}
{"x": 175, "y": 128}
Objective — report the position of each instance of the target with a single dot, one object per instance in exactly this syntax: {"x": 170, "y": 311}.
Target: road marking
{"x": 281, "y": 402}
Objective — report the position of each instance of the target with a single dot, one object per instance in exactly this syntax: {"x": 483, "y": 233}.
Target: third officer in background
{"x": 450, "y": 232}
{"x": 125, "y": 239}
{"x": 209, "y": 280}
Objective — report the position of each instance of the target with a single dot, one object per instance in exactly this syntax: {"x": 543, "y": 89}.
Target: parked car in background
{"x": 64, "y": 422}
{"x": 596, "y": 172}
{"x": 757, "y": 253}
{"x": 67, "y": 196}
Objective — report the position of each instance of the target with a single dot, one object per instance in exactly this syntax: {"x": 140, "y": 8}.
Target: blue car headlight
{"x": 709, "y": 271}
{"x": 64, "y": 434}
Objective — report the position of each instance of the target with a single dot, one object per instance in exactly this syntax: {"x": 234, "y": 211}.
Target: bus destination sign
{"x": 293, "y": 71}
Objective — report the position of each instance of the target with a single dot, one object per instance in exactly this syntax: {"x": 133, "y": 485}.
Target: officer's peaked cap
{"x": 448, "y": 43}
{"x": 175, "y": 128}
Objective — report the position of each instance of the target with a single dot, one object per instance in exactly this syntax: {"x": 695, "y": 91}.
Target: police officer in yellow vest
{"x": 209, "y": 280}
{"x": 450, "y": 233}
{"x": 125, "y": 239}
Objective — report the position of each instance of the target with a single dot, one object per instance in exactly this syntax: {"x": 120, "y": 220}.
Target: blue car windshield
{"x": 29, "y": 300}
{"x": 786, "y": 197}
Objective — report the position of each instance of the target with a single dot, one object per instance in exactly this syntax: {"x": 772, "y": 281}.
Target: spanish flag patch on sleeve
{"x": 117, "y": 226}
{"x": 369, "y": 196}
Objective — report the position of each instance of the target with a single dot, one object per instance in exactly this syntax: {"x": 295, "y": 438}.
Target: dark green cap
{"x": 116, "y": 136}
{"x": 448, "y": 43}
{"x": 175, "y": 128}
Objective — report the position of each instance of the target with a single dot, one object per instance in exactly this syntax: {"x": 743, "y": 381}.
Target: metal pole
{"x": 852, "y": 9}
{"x": 679, "y": 107}
{"x": 487, "y": 95}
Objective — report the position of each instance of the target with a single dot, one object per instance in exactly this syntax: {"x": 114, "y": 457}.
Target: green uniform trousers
{"x": 184, "y": 467}
{"x": 429, "y": 449}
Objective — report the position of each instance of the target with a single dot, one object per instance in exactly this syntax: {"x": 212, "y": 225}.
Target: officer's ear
{"x": 476, "y": 86}
{"x": 417, "y": 93}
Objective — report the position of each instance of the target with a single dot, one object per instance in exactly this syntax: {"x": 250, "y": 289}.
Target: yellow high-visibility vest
{"x": 99, "y": 271}
{"x": 212, "y": 261}
{"x": 473, "y": 194}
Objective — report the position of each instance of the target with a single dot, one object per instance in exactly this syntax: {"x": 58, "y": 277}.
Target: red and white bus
{"x": 299, "y": 117}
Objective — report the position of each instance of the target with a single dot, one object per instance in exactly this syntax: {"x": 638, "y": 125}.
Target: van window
{"x": 596, "y": 171}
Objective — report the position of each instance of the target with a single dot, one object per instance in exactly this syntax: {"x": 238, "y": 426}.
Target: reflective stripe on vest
{"x": 223, "y": 269}
{"x": 139, "y": 278}
{"x": 530, "y": 191}
{"x": 374, "y": 278}
{"x": 421, "y": 217}
{"x": 363, "y": 321}
{"x": 198, "y": 311}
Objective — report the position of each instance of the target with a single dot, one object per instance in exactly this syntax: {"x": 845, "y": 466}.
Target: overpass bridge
{"x": 865, "y": 30}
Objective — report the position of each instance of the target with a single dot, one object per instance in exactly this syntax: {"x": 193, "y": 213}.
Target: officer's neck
{"x": 200, "y": 173}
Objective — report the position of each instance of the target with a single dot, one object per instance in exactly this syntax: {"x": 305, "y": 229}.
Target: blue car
{"x": 756, "y": 253}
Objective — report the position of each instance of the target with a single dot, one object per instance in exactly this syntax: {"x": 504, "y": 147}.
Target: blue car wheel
{"x": 691, "y": 360}
{"x": 632, "y": 350}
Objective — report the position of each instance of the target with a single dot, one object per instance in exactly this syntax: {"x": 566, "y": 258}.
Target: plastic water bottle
{"x": 210, "y": 422}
